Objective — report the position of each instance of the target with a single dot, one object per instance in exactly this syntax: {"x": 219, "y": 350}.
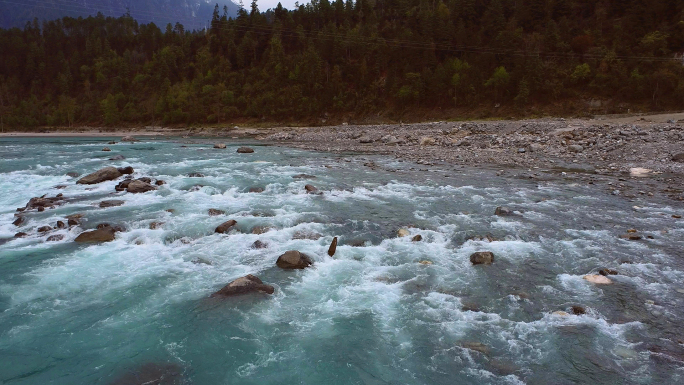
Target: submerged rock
{"x": 129, "y": 138}
{"x": 598, "y": 279}
{"x": 138, "y": 186}
{"x": 112, "y": 203}
{"x": 215, "y": 212}
{"x": 117, "y": 157}
{"x": 19, "y": 221}
{"x": 259, "y": 245}
{"x": 482, "y": 258}
{"x": 607, "y": 272}
{"x": 156, "y": 225}
{"x": 503, "y": 211}
{"x": 73, "y": 174}
{"x": 244, "y": 285}
{"x": 105, "y": 234}
{"x": 152, "y": 374}
{"x": 245, "y": 150}
{"x": 260, "y": 229}
{"x": 256, "y": 190}
{"x": 225, "y": 226}
{"x": 306, "y": 235}
{"x": 293, "y": 259}
{"x": 219, "y": 146}
{"x": 304, "y": 176}
{"x": 196, "y": 175}
{"x": 55, "y": 238}
{"x": 106, "y": 149}
{"x": 102, "y": 175}
{"x": 333, "y": 247}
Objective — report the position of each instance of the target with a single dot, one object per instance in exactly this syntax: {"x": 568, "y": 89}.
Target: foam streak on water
{"x": 373, "y": 314}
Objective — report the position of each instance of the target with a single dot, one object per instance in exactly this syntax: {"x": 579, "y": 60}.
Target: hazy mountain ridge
{"x": 193, "y": 14}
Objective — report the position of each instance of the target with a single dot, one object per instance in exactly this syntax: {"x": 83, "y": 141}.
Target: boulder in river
{"x": 244, "y": 285}
{"x": 245, "y": 150}
{"x": 44, "y": 229}
{"x": 19, "y": 221}
{"x": 20, "y": 235}
{"x": 152, "y": 374}
{"x": 256, "y": 190}
{"x": 482, "y": 258}
{"x": 117, "y": 157}
{"x": 156, "y": 225}
{"x": 159, "y": 182}
{"x": 215, "y": 212}
{"x": 417, "y": 238}
{"x": 260, "y": 229}
{"x": 403, "y": 233}
{"x": 598, "y": 279}
{"x": 106, "y": 149}
{"x": 607, "y": 272}
{"x": 196, "y": 175}
{"x": 226, "y": 226}
{"x": 55, "y": 238}
{"x": 503, "y": 211}
{"x": 102, "y": 175}
{"x": 220, "y": 146}
{"x": 40, "y": 203}
{"x": 138, "y": 186}
{"x": 259, "y": 245}
{"x": 129, "y": 138}
{"x": 333, "y": 247}
{"x": 60, "y": 225}
{"x": 310, "y": 189}
{"x": 111, "y": 203}
{"x": 105, "y": 234}
{"x": 578, "y": 310}
{"x": 293, "y": 259}
{"x": 73, "y": 174}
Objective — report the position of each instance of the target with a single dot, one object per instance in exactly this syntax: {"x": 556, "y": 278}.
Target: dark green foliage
{"x": 343, "y": 59}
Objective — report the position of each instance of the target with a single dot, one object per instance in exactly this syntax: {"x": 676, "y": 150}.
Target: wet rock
{"x": 356, "y": 242}
{"x": 333, "y": 247}
{"x": 19, "y": 221}
{"x": 112, "y": 203}
{"x": 73, "y": 174}
{"x": 196, "y": 175}
{"x": 106, "y": 149}
{"x": 244, "y": 285}
{"x": 44, "y": 229}
{"x": 152, "y": 374}
{"x": 476, "y": 346}
{"x": 417, "y": 238}
{"x": 102, "y": 175}
{"x": 503, "y": 211}
{"x": 597, "y": 279}
{"x": 55, "y": 238}
{"x": 259, "y": 245}
{"x": 196, "y": 187}
{"x": 607, "y": 272}
{"x": 138, "y": 186}
{"x": 129, "y": 139}
{"x": 245, "y": 150}
{"x": 156, "y": 225}
{"x": 42, "y": 202}
{"x": 303, "y": 176}
{"x": 123, "y": 185}
{"x": 126, "y": 170}
{"x": 256, "y": 190}
{"x": 403, "y": 233}
{"x": 310, "y": 189}
{"x": 61, "y": 225}
{"x": 293, "y": 260}
{"x": 145, "y": 179}
{"x": 225, "y": 226}
{"x": 220, "y": 146}
{"x": 20, "y": 235}
{"x": 578, "y": 310}
{"x": 117, "y": 157}
{"x": 631, "y": 237}
{"x": 306, "y": 235}
{"x": 116, "y": 228}
{"x": 260, "y": 229}
{"x": 111, "y": 142}
{"x": 482, "y": 258}
{"x": 215, "y": 212}
{"x": 106, "y": 234}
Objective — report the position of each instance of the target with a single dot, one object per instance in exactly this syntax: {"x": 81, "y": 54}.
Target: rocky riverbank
{"x": 632, "y": 158}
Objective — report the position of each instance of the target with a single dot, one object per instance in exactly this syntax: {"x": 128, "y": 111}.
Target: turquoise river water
{"x": 373, "y": 314}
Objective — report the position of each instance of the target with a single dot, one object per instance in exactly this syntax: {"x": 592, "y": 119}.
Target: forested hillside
{"x": 346, "y": 60}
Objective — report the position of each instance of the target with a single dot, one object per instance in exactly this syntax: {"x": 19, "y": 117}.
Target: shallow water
{"x": 88, "y": 314}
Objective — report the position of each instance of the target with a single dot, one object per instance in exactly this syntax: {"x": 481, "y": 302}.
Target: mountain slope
{"x": 193, "y": 14}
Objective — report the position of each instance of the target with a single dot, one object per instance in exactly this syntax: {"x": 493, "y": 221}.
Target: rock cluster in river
{"x": 293, "y": 259}
{"x": 244, "y": 285}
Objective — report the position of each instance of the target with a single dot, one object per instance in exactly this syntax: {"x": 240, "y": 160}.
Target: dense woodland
{"x": 346, "y": 60}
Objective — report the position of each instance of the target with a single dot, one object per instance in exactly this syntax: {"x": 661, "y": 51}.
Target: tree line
{"x": 345, "y": 59}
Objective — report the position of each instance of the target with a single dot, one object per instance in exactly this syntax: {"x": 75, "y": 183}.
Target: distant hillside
{"x": 193, "y": 14}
